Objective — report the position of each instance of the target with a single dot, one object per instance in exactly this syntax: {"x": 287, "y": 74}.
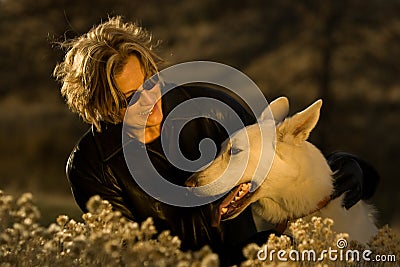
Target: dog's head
{"x": 295, "y": 175}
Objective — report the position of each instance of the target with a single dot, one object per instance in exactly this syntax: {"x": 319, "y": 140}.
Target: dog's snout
{"x": 191, "y": 182}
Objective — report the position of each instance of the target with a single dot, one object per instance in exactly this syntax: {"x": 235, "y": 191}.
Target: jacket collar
{"x": 109, "y": 140}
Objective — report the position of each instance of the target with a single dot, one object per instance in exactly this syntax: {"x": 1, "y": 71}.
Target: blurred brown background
{"x": 346, "y": 52}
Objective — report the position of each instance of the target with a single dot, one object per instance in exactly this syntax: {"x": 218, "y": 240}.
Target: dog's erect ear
{"x": 279, "y": 109}
{"x": 297, "y": 128}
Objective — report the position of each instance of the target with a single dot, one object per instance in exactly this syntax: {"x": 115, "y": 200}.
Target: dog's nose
{"x": 191, "y": 183}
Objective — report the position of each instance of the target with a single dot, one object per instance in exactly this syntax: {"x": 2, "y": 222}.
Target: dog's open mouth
{"x": 231, "y": 204}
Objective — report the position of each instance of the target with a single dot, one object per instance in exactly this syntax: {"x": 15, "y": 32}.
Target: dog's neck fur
{"x": 283, "y": 200}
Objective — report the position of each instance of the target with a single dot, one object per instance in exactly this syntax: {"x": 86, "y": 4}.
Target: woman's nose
{"x": 148, "y": 97}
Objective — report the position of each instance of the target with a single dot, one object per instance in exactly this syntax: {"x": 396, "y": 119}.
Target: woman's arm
{"x": 87, "y": 176}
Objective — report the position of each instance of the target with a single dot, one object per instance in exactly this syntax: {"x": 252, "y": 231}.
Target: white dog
{"x": 299, "y": 181}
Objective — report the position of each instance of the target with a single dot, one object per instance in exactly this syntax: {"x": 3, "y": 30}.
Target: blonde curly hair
{"x": 91, "y": 63}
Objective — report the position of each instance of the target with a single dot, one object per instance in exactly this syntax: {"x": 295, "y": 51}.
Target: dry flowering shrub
{"x": 309, "y": 244}
{"x": 386, "y": 241}
{"x": 106, "y": 238}
{"x": 20, "y": 234}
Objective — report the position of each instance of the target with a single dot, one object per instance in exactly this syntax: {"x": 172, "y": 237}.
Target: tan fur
{"x": 299, "y": 177}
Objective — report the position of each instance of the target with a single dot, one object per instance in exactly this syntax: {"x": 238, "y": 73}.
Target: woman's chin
{"x": 155, "y": 117}
{"x": 153, "y": 120}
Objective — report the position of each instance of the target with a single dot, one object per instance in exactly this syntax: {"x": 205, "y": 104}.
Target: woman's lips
{"x": 148, "y": 111}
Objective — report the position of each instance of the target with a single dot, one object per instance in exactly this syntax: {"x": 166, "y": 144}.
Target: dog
{"x": 297, "y": 184}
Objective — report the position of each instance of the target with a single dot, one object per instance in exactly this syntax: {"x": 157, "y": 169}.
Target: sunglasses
{"x": 146, "y": 86}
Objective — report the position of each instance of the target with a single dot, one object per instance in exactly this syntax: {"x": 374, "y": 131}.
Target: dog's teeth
{"x": 241, "y": 193}
{"x": 237, "y": 198}
{"x": 224, "y": 210}
{"x": 245, "y": 186}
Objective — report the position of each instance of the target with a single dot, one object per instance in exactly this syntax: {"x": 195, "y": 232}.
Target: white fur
{"x": 299, "y": 177}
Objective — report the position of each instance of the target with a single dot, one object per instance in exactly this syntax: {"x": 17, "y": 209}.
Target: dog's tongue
{"x": 216, "y": 212}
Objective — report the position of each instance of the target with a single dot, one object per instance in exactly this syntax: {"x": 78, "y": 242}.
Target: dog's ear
{"x": 297, "y": 128}
{"x": 279, "y": 109}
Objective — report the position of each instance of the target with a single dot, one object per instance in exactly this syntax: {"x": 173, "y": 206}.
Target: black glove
{"x": 353, "y": 176}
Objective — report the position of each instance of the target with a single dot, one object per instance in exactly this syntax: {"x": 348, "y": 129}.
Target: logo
{"x": 203, "y": 72}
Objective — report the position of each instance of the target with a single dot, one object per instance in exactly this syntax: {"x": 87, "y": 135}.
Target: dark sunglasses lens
{"x": 150, "y": 83}
{"x": 133, "y": 98}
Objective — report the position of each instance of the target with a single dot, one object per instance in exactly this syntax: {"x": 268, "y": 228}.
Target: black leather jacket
{"x": 97, "y": 167}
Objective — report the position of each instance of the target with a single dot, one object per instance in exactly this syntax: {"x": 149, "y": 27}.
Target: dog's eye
{"x": 234, "y": 150}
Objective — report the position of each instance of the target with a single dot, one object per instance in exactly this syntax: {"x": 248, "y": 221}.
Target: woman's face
{"x": 146, "y": 112}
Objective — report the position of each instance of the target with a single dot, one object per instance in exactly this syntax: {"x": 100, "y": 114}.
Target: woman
{"x": 102, "y": 71}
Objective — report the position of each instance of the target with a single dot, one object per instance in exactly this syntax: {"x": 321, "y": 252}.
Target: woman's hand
{"x": 352, "y": 176}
